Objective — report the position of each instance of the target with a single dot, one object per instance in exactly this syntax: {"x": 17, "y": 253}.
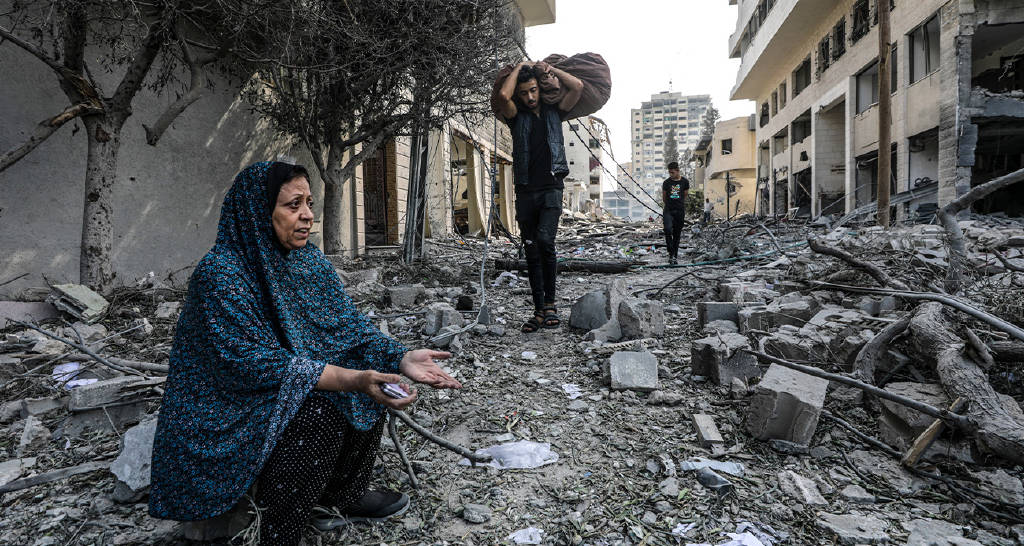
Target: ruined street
{"x": 648, "y": 420}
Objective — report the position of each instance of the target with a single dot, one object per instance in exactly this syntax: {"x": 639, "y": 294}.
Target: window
{"x": 801, "y": 129}
{"x": 924, "y": 49}
{"x": 802, "y": 76}
{"x": 574, "y": 126}
{"x": 727, "y": 146}
{"x": 775, "y": 102}
{"x": 839, "y": 39}
{"x": 867, "y": 87}
{"x": 824, "y": 54}
{"x": 861, "y": 19}
{"x": 764, "y": 114}
{"x": 783, "y": 95}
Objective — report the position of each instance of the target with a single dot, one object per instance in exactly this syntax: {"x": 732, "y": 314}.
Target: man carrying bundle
{"x": 539, "y": 165}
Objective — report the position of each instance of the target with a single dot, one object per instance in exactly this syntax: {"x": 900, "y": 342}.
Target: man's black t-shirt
{"x": 674, "y": 190}
{"x": 541, "y": 177}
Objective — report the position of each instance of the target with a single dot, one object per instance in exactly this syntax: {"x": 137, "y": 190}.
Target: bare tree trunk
{"x": 884, "y": 113}
{"x": 334, "y": 198}
{"x": 95, "y": 267}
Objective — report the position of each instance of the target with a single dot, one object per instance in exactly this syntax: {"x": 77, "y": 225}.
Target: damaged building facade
{"x": 726, "y": 167}
{"x": 957, "y": 102}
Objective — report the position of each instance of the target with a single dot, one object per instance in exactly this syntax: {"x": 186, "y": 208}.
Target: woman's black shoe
{"x": 372, "y": 506}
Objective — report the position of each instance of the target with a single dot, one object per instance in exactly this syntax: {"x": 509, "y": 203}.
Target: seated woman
{"x": 275, "y": 377}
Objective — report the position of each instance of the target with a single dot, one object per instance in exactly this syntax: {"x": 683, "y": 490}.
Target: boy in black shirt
{"x": 673, "y": 193}
{"x": 539, "y": 165}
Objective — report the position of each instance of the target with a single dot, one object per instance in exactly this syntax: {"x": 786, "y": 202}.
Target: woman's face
{"x": 293, "y": 214}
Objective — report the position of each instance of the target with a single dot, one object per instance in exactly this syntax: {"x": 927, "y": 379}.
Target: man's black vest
{"x": 521, "y": 143}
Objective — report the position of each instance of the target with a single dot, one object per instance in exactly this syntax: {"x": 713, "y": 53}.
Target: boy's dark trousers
{"x": 674, "y": 219}
{"x": 537, "y": 213}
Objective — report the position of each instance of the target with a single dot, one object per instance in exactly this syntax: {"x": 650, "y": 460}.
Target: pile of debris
{"x": 787, "y": 384}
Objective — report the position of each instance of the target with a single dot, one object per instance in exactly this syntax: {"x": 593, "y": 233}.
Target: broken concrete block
{"x": 929, "y": 393}
{"x": 32, "y": 433}
{"x": 89, "y": 332}
{"x": 49, "y": 346}
{"x": 142, "y": 329}
{"x": 590, "y": 311}
{"x": 720, "y": 327}
{"x": 854, "y": 528}
{"x": 796, "y": 313}
{"x": 720, "y": 358}
{"x": 786, "y": 405}
{"x": 440, "y": 315}
{"x": 103, "y": 419}
{"x": 793, "y": 345}
{"x": 100, "y": 392}
{"x": 640, "y": 319}
{"x": 26, "y": 311}
{"x": 406, "y": 295}
{"x": 447, "y": 336}
{"x": 634, "y": 371}
{"x": 932, "y": 532}
{"x": 168, "y": 310}
{"x": 856, "y": 494}
{"x": 610, "y": 331}
{"x": 132, "y": 466}
{"x": 801, "y": 489}
{"x": 356, "y": 277}
{"x": 10, "y": 411}
{"x": 669, "y": 487}
{"x": 78, "y": 301}
{"x": 707, "y": 432}
{"x": 754, "y": 317}
{"x": 40, "y": 406}
{"x": 12, "y": 469}
{"x": 887, "y": 471}
{"x": 710, "y": 311}
{"x": 1002, "y": 485}
{"x": 737, "y": 291}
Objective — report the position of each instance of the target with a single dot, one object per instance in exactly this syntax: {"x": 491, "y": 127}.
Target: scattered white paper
{"x": 530, "y": 535}
{"x": 682, "y": 529}
{"x": 736, "y": 469}
{"x": 572, "y": 390}
{"x": 66, "y": 374}
{"x": 529, "y": 355}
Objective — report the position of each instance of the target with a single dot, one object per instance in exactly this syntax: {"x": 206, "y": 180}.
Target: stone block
{"x": 755, "y": 317}
{"x": 794, "y": 345}
{"x": 929, "y": 393}
{"x": 720, "y": 327}
{"x": 440, "y": 315}
{"x": 356, "y": 277}
{"x": 795, "y": 313}
{"x": 79, "y": 301}
{"x": 854, "y": 528}
{"x": 786, "y": 405}
{"x": 100, "y": 392}
{"x": 40, "y": 406}
{"x": 117, "y": 417}
{"x": 736, "y": 291}
{"x": 590, "y": 311}
{"x": 710, "y": 311}
{"x": 933, "y": 532}
{"x": 707, "y": 432}
{"x": 640, "y": 319}
{"x": 406, "y": 295}
{"x": 133, "y": 464}
{"x": 801, "y": 489}
{"x": 636, "y": 371}
{"x": 720, "y": 358}
{"x": 33, "y": 433}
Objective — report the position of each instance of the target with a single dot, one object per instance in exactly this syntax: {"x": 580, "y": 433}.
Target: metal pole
{"x": 884, "y": 112}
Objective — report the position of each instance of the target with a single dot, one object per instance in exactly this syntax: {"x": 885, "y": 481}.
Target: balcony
{"x": 536, "y": 12}
{"x": 784, "y": 28}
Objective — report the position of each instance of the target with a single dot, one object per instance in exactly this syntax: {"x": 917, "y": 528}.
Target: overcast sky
{"x": 647, "y": 43}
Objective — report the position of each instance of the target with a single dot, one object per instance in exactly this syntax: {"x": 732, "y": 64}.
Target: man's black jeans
{"x": 537, "y": 213}
{"x": 674, "y": 220}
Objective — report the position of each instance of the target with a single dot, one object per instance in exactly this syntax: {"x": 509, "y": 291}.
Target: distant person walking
{"x": 673, "y": 194}
{"x": 708, "y": 207}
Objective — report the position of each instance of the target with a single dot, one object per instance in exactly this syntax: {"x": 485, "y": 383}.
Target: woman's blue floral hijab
{"x": 258, "y": 327}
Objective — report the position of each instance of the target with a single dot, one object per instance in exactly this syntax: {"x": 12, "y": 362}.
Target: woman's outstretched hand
{"x": 419, "y": 365}
{"x": 370, "y": 382}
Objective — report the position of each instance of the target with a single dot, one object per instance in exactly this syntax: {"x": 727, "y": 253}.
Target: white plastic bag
{"x": 521, "y": 454}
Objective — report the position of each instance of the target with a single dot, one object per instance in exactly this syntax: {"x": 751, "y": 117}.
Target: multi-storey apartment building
{"x": 649, "y": 130}
{"x": 585, "y": 140}
{"x": 957, "y": 103}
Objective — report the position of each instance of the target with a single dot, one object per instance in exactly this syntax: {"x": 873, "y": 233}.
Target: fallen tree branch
{"x": 473, "y": 458}
{"x": 950, "y": 301}
{"x": 998, "y": 431}
{"x": 52, "y": 476}
{"x": 1007, "y": 351}
{"x": 570, "y": 265}
{"x": 876, "y": 273}
{"x": 43, "y": 131}
{"x": 984, "y": 355}
{"x": 947, "y": 216}
{"x": 959, "y": 421}
{"x": 133, "y": 364}
{"x": 393, "y": 432}
{"x": 1006, "y": 262}
{"x": 870, "y": 354}
{"x": 89, "y": 352}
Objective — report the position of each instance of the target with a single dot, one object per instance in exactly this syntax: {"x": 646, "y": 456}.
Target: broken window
{"x": 824, "y": 53}
{"x": 839, "y": 39}
{"x": 775, "y": 102}
{"x": 924, "y": 49}
{"x": 764, "y": 114}
{"x": 801, "y": 129}
{"x": 867, "y": 87}
{"x": 802, "y": 76}
{"x": 782, "y": 95}
{"x": 861, "y": 18}
{"x": 726, "y": 146}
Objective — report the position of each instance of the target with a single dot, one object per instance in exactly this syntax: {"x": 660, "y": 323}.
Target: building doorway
{"x": 375, "y": 198}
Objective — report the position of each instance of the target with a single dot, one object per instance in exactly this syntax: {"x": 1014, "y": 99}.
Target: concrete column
{"x": 439, "y": 191}
{"x": 851, "y": 160}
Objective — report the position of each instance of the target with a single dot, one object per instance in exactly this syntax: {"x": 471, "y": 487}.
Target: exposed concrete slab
{"x": 634, "y": 371}
{"x": 720, "y": 358}
{"x": 786, "y": 405}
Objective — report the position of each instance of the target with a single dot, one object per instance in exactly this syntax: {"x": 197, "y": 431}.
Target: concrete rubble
{"x": 661, "y": 417}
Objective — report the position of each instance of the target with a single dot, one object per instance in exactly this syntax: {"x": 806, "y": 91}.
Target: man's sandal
{"x": 535, "y": 323}
{"x": 551, "y": 319}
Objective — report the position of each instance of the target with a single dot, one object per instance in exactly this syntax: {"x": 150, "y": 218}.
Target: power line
{"x": 638, "y": 200}
{"x": 612, "y": 155}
